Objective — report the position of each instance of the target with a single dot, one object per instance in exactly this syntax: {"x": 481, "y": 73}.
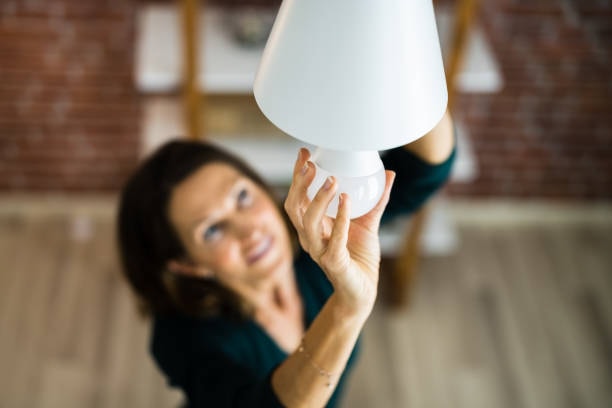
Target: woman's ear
{"x": 188, "y": 269}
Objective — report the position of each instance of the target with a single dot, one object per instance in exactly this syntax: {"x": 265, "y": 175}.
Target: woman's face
{"x": 231, "y": 228}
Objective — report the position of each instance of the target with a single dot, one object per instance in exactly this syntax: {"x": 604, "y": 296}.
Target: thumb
{"x": 372, "y": 218}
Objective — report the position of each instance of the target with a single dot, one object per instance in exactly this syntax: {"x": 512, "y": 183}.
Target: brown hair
{"x": 147, "y": 240}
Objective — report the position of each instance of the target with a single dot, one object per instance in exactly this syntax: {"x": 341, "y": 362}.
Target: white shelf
{"x": 274, "y": 158}
{"x": 227, "y": 67}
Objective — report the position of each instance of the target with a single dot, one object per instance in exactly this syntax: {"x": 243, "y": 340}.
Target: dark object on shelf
{"x": 250, "y": 27}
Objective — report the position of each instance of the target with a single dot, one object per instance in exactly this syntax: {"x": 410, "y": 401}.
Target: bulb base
{"x": 364, "y": 189}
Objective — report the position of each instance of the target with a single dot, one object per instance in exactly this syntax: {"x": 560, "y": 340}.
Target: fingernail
{"x": 304, "y": 169}
{"x": 328, "y": 183}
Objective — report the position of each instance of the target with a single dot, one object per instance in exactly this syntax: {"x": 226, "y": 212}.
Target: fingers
{"x": 312, "y": 221}
{"x": 303, "y": 173}
{"x": 384, "y": 200}
{"x": 382, "y": 203}
{"x": 375, "y": 214}
{"x": 308, "y": 217}
{"x": 336, "y": 254}
{"x": 303, "y": 156}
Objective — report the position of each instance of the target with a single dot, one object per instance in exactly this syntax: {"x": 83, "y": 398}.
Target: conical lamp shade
{"x": 350, "y": 75}
{"x": 353, "y": 75}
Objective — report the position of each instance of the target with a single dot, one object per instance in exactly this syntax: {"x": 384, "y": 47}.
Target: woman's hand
{"x": 347, "y": 250}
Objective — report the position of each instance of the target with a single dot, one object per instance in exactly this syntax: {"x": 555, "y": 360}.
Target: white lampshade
{"x": 353, "y": 76}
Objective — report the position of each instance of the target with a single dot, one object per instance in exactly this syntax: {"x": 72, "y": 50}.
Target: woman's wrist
{"x": 351, "y": 311}
{"x": 309, "y": 376}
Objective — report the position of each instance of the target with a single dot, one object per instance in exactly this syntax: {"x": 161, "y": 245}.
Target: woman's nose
{"x": 248, "y": 227}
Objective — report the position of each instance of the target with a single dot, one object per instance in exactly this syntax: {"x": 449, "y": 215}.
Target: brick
{"x": 67, "y": 69}
{"x": 69, "y": 114}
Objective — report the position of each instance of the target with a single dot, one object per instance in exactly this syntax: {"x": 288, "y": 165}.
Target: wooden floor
{"x": 518, "y": 317}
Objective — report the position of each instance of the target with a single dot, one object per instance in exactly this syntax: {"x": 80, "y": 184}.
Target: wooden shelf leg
{"x": 404, "y": 270}
{"x": 192, "y": 100}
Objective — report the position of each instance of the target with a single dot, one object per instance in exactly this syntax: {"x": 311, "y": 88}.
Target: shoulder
{"x": 215, "y": 361}
{"x": 197, "y": 334}
{"x": 177, "y": 342}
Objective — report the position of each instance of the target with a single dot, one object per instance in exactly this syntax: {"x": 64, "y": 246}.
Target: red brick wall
{"x": 68, "y": 111}
{"x": 549, "y": 132}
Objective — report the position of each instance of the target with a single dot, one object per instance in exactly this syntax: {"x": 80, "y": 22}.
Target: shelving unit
{"x": 228, "y": 68}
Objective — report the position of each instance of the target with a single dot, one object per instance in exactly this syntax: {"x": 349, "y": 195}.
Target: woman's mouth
{"x": 260, "y": 250}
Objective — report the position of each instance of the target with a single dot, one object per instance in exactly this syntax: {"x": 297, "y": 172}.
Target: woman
{"x": 243, "y": 316}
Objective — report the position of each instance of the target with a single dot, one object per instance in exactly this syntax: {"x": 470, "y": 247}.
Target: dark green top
{"x": 219, "y": 362}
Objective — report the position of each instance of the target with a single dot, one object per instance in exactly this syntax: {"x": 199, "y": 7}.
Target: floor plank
{"x": 517, "y": 317}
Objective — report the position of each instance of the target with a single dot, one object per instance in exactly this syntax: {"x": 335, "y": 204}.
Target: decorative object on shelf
{"x": 250, "y": 26}
{"x": 353, "y": 78}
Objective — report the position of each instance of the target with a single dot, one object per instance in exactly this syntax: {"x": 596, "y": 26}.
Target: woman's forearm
{"x": 328, "y": 343}
{"x": 437, "y": 144}
{"x": 348, "y": 251}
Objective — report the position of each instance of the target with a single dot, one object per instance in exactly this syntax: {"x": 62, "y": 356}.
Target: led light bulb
{"x": 361, "y": 175}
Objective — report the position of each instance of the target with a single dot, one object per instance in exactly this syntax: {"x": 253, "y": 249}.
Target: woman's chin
{"x": 274, "y": 264}
{"x": 275, "y": 267}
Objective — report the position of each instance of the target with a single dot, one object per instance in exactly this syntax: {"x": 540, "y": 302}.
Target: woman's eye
{"x": 213, "y": 232}
{"x": 244, "y": 198}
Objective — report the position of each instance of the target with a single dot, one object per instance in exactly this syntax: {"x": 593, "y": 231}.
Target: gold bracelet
{"x": 322, "y": 371}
